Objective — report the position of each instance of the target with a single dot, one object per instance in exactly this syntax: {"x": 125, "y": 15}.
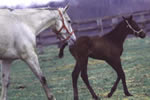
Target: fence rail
{"x": 99, "y": 26}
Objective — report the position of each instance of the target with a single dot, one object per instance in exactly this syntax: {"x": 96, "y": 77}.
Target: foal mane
{"x": 117, "y": 34}
{"x": 118, "y": 26}
{"x": 115, "y": 29}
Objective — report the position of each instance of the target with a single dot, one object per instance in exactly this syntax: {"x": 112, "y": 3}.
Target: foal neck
{"x": 118, "y": 34}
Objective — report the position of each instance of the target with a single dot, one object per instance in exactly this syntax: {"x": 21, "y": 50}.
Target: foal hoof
{"x": 96, "y": 98}
{"x": 61, "y": 55}
{"x": 76, "y": 98}
{"x": 109, "y": 95}
{"x": 52, "y": 98}
{"x": 128, "y": 94}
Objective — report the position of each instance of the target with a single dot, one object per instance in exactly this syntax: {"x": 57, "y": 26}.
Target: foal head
{"x": 133, "y": 28}
{"x": 63, "y": 27}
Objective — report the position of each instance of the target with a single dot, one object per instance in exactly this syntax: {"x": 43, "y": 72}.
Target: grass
{"x": 135, "y": 61}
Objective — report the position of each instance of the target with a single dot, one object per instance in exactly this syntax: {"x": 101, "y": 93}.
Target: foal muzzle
{"x": 142, "y": 35}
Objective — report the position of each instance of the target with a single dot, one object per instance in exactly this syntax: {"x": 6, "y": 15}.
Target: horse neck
{"x": 117, "y": 35}
{"x": 41, "y": 20}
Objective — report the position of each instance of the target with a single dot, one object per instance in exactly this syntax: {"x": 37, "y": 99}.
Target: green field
{"x": 135, "y": 61}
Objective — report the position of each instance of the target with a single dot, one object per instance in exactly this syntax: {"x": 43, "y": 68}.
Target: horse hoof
{"x": 109, "y": 95}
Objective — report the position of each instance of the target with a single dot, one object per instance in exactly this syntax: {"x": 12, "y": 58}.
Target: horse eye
{"x": 69, "y": 21}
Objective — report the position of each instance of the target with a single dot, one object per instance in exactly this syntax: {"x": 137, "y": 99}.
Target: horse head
{"x": 63, "y": 27}
{"x": 133, "y": 27}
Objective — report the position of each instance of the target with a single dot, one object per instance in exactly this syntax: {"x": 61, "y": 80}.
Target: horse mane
{"x": 46, "y": 8}
{"x": 25, "y": 10}
{"x": 41, "y": 8}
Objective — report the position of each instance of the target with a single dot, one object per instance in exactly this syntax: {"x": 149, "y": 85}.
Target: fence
{"x": 98, "y": 26}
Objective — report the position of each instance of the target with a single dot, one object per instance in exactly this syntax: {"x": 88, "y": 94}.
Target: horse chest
{"x": 12, "y": 45}
{"x": 6, "y": 53}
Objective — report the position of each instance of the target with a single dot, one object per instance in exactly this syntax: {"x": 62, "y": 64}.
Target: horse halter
{"x": 134, "y": 31}
{"x": 63, "y": 26}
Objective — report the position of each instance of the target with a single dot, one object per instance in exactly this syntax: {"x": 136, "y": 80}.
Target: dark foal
{"x": 109, "y": 48}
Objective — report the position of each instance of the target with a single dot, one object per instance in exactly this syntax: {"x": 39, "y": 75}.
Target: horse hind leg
{"x": 32, "y": 60}
{"x": 5, "y": 74}
{"x": 84, "y": 77}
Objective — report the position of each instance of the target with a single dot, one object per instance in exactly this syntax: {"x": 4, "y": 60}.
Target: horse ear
{"x": 66, "y": 7}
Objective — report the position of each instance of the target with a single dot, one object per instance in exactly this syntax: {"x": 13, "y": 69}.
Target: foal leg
{"x": 84, "y": 76}
{"x": 32, "y": 60}
{"x": 123, "y": 78}
{"x": 113, "y": 89}
{"x": 5, "y": 74}
{"x": 75, "y": 75}
{"x": 116, "y": 65}
{"x": 61, "y": 51}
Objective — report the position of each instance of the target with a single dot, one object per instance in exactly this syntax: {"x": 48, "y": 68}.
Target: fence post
{"x": 114, "y": 21}
{"x": 100, "y": 25}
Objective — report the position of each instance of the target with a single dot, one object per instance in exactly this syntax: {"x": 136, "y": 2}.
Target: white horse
{"x": 18, "y": 31}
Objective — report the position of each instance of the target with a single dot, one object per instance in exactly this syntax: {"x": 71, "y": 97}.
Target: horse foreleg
{"x": 75, "y": 75}
{"x": 84, "y": 77}
{"x": 32, "y": 60}
{"x": 5, "y": 74}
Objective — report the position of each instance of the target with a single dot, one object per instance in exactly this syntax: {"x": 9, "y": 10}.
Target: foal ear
{"x": 124, "y": 18}
{"x": 131, "y": 17}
